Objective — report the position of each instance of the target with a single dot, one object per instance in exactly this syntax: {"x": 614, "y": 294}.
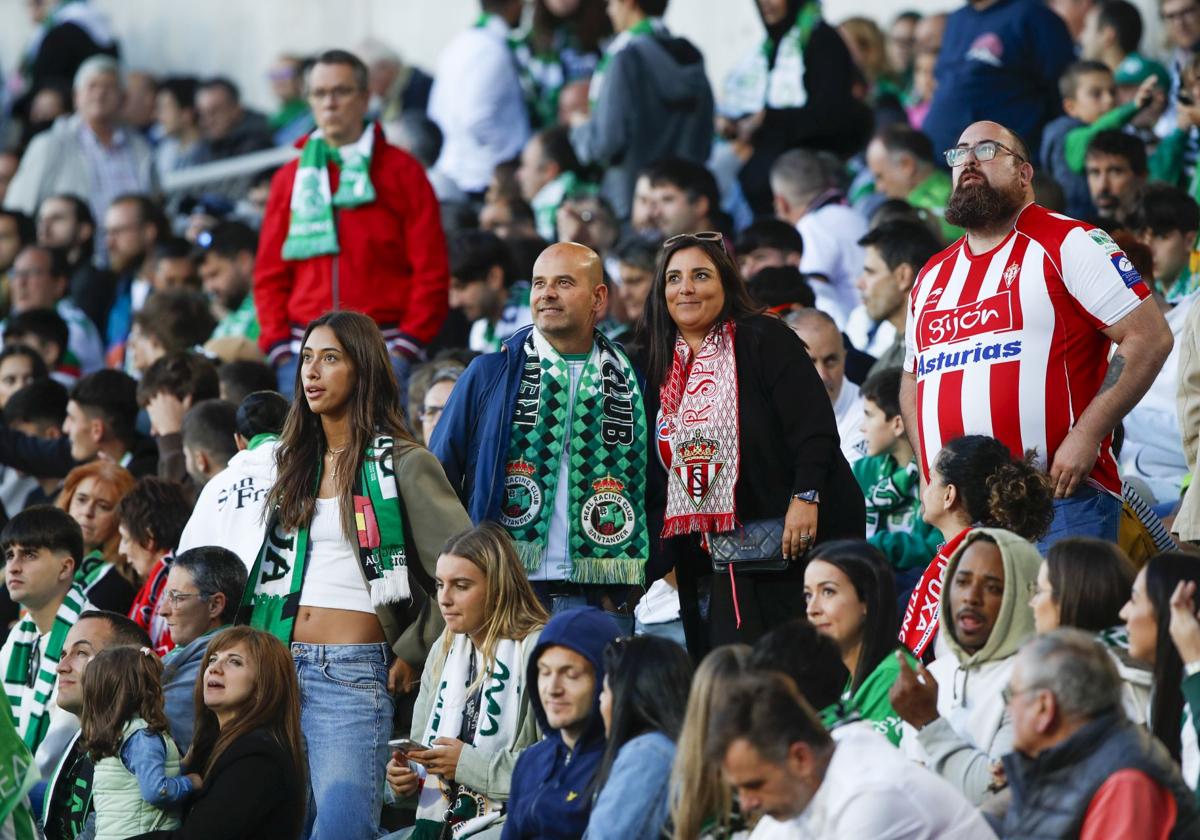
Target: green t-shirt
{"x": 932, "y": 195}
{"x": 871, "y": 700}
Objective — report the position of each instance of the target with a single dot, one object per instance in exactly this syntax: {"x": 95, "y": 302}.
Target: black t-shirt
{"x": 70, "y": 795}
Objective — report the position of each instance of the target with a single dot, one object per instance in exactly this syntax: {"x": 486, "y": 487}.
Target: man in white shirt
{"x": 783, "y": 765}
{"x": 477, "y": 100}
{"x": 828, "y": 353}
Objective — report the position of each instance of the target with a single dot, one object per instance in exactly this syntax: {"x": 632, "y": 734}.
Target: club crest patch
{"x": 608, "y": 517}
{"x": 522, "y": 496}
{"x": 696, "y": 467}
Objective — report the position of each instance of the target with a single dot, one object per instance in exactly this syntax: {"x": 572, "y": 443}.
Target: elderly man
{"x": 901, "y": 160}
{"x": 89, "y": 154}
{"x": 1080, "y": 768}
{"x": 986, "y": 348}
{"x": 825, "y": 346}
{"x": 203, "y": 591}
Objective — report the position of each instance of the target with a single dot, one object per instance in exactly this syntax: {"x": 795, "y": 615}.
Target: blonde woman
{"x": 701, "y": 803}
{"x": 473, "y": 711}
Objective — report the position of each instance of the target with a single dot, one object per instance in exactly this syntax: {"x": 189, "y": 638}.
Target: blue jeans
{"x": 346, "y": 715}
{"x": 285, "y": 374}
{"x": 1089, "y": 513}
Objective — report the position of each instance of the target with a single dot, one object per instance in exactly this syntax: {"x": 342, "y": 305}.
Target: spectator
{"x": 239, "y": 379}
{"x": 17, "y": 231}
{"x": 133, "y": 226}
{"x": 397, "y": 89}
{"x": 558, "y": 55}
{"x": 248, "y": 745}
{"x": 1083, "y": 583}
{"x": 1167, "y": 222}
{"x": 485, "y": 288}
{"x": 825, "y": 348}
{"x": 583, "y": 534}
{"x": 227, "y": 272}
{"x": 806, "y": 197}
{"x": 476, "y": 98}
{"x": 181, "y": 145}
{"x": 228, "y": 511}
{"x": 547, "y": 175}
{"x": 635, "y": 274}
{"x": 783, "y": 765}
{"x": 89, "y": 154}
{"x": 1074, "y": 14}
{"x": 1112, "y": 33}
{"x": 697, "y": 302}
{"x": 813, "y": 662}
{"x": 890, "y": 480}
{"x": 174, "y": 266}
{"x": 418, "y": 135}
{"x": 509, "y": 218}
{"x": 69, "y": 807}
{"x": 493, "y": 621}
{"x": 65, "y": 222}
{"x": 227, "y": 129}
{"x": 902, "y": 45}
{"x": 568, "y": 668}
{"x": 992, "y": 200}
{"x": 441, "y": 385}
{"x": 1078, "y": 764}
{"x": 171, "y": 322}
{"x": 1001, "y": 61}
{"x": 209, "y": 428}
{"x": 894, "y": 253}
{"x": 975, "y": 481}
{"x": 39, "y": 280}
{"x": 167, "y": 389}
{"x": 686, "y": 199}
{"x": 850, "y": 596}
{"x": 589, "y": 221}
{"x": 137, "y": 107}
{"x": 902, "y": 163}
{"x": 357, "y": 581}
{"x": 151, "y": 517}
{"x": 39, "y": 410}
{"x": 1147, "y": 618}
{"x": 19, "y": 366}
{"x": 292, "y": 119}
{"x": 768, "y": 243}
{"x": 91, "y": 495}
{"x": 42, "y": 548}
{"x": 959, "y": 734}
{"x": 649, "y": 97}
{"x": 385, "y": 256}
{"x": 645, "y": 693}
{"x": 45, "y": 332}
{"x": 1116, "y": 172}
{"x": 1182, "y": 22}
{"x": 203, "y": 591}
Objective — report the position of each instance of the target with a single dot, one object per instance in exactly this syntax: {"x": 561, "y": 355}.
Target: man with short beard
{"x": 1011, "y": 329}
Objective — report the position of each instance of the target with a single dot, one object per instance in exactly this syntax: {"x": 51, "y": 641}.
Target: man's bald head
{"x": 571, "y": 258}
{"x": 568, "y": 295}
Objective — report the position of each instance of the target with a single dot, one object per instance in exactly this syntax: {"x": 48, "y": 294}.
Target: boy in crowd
{"x": 890, "y": 480}
{"x": 1089, "y": 95}
{"x": 483, "y": 288}
{"x": 47, "y": 334}
{"x": 38, "y": 409}
{"x": 1167, "y": 223}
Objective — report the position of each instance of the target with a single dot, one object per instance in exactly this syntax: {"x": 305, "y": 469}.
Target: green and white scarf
{"x": 29, "y": 704}
{"x": 754, "y": 84}
{"x": 645, "y": 26}
{"x": 18, "y": 775}
{"x": 496, "y": 730}
{"x": 313, "y": 231}
{"x": 547, "y": 201}
{"x": 272, "y": 596}
{"x": 607, "y": 537}
{"x": 91, "y": 570}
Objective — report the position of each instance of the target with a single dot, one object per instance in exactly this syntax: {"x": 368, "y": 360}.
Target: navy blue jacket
{"x": 550, "y": 793}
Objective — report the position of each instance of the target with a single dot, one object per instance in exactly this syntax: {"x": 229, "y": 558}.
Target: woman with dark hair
{"x": 563, "y": 47}
{"x": 92, "y": 493}
{"x": 357, "y": 514}
{"x": 974, "y": 482}
{"x": 851, "y": 598}
{"x": 1083, "y": 583}
{"x": 645, "y": 695}
{"x": 739, "y": 397}
{"x": 1147, "y": 618}
{"x": 247, "y": 747}
{"x": 19, "y": 365}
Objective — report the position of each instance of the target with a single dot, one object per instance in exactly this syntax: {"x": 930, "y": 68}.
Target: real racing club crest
{"x": 608, "y": 517}
{"x": 522, "y": 495}
{"x": 697, "y": 468}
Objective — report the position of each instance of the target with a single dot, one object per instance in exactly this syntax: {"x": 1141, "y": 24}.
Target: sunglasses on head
{"x": 700, "y": 236}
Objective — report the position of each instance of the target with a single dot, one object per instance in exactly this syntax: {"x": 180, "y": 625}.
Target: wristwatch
{"x": 811, "y": 497}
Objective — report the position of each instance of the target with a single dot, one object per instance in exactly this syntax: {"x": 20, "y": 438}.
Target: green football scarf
{"x": 18, "y": 775}
{"x": 756, "y": 83}
{"x": 608, "y": 540}
{"x": 30, "y": 674}
{"x": 313, "y": 231}
{"x": 272, "y": 596}
{"x": 91, "y": 570}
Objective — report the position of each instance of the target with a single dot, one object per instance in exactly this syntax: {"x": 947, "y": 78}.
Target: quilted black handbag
{"x": 754, "y": 547}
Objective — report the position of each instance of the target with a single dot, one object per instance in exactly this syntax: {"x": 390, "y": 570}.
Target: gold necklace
{"x": 333, "y": 463}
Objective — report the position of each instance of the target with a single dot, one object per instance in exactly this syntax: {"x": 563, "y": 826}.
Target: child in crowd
{"x": 890, "y": 479}
{"x": 136, "y": 786}
{"x": 1089, "y": 97}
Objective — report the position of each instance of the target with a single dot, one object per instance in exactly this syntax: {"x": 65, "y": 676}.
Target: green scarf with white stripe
{"x": 313, "y": 230}
{"x": 607, "y": 536}
{"x": 756, "y": 83}
{"x": 272, "y": 596}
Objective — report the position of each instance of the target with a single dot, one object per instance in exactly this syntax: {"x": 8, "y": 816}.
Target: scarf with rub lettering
{"x": 608, "y": 541}
{"x": 272, "y": 596}
{"x": 483, "y": 711}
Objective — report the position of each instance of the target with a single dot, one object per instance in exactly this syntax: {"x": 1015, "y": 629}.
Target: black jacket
{"x": 256, "y": 791}
{"x": 46, "y": 458}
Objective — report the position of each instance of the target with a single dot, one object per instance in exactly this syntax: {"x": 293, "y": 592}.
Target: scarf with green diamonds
{"x": 313, "y": 231}
{"x": 607, "y": 536}
{"x": 272, "y": 595}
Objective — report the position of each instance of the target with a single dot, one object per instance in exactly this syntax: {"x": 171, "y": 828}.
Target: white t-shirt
{"x": 831, "y": 235}
{"x": 848, "y": 409}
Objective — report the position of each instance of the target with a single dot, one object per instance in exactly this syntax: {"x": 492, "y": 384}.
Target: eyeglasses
{"x": 984, "y": 151}
{"x": 1007, "y": 693}
{"x": 701, "y": 235}
{"x": 175, "y": 597}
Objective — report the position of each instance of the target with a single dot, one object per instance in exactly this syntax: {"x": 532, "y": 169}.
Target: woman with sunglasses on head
{"x": 747, "y": 435}
{"x": 357, "y": 517}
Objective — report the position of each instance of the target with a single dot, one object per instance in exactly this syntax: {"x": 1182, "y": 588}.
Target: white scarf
{"x": 753, "y": 85}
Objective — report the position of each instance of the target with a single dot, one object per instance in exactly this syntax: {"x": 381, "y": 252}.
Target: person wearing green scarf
{"x": 901, "y": 159}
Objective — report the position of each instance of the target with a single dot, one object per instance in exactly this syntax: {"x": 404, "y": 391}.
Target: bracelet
{"x": 1191, "y": 668}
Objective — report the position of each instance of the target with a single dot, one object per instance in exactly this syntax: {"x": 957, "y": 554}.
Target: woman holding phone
{"x": 474, "y": 707}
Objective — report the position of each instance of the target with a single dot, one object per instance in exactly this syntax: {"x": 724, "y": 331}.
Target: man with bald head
{"x": 549, "y": 437}
{"x": 1011, "y": 328}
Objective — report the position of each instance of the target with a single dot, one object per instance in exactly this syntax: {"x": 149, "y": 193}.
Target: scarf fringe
{"x": 708, "y": 523}
{"x": 608, "y": 570}
{"x": 530, "y": 554}
{"x": 391, "y": 587}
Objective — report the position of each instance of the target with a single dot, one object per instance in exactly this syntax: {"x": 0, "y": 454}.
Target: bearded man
{"x": 1010, "y": 330}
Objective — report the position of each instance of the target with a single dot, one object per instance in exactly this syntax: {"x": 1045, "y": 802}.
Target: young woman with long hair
{"x": 91, "y": 493}
{"x": 357, "y": 517}
{"x": 247, "y": 746}
{"x": 493, "y": 621}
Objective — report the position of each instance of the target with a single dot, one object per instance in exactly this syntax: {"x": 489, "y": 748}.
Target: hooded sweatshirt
{"x": 229, "y": 510}
{"x": 550, "y": 796}
{"x": 973, "y": 729}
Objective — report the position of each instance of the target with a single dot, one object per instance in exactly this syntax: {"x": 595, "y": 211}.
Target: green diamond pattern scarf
{"x": 313, "y": 231}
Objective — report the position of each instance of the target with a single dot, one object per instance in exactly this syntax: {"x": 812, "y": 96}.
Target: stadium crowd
{"x": 554, "y": 444}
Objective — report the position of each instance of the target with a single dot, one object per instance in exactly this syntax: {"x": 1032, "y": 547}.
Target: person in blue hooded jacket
{"x": 552, "y": 782}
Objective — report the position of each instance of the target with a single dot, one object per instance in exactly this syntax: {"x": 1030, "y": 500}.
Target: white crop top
{"x": 333, "y": 579}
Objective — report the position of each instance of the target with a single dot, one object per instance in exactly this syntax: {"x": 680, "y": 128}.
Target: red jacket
{"x": 393, "y": 264}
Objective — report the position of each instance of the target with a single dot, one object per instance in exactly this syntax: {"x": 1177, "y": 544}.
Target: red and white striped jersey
{"x": 1009, "y": 343}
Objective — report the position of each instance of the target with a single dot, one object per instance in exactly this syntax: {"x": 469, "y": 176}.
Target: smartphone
{"x": 407, "y": 745}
